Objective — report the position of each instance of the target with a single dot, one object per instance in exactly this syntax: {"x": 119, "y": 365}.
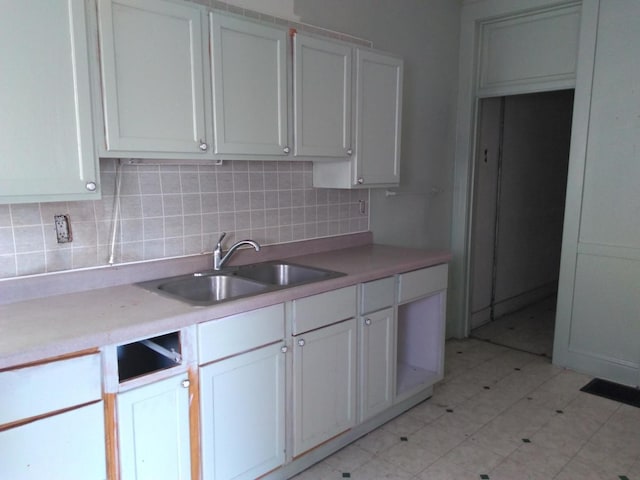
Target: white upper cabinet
{"x": 322, "y": 97}
{"x": 378, "y": 112}
{"x": 249, "y": 62}
{"x": 156, "y": 96}
{"x": 378, "y": 118}
{"x": 47, "y": 152}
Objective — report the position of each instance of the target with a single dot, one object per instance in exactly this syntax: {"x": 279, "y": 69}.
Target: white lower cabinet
{"x": 376, "y": 362}
{"x": 242, "y": 412}
{"x": 153, "y": 431}
{"x": 67, "y": 446}
{"x": 52, "y": 421}
{"x": 420, "y": 331}
{"x": 324, "y": 384}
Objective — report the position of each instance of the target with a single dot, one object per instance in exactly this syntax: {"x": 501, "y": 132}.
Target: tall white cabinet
{"x": 156, "y": 96}
{"x": 597, "y": 324}
{"x": 249, "y": 70}
{"x": 47, "y": 152}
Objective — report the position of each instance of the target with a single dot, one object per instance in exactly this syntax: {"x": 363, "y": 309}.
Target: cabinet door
{"x": 376, "y": 364}
{"x": 153, "y": 77}
{"x": 324, "y": 384}
{"x": 47, "y": 151}
{"x": 249, "y": 86}
{"x": 378, "y": 118}
{"x": 153, "y": 431}
{"x": 67, "y": 446}
{"x": 242, "y": 405}
{"x": 322, "y": 97}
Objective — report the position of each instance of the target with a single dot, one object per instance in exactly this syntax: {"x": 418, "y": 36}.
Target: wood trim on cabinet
{"x": 111, "y": 436}
{"x": 194, "y": 422}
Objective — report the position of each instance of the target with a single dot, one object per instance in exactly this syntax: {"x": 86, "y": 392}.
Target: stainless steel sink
{"x": 214, "y": 286}
{"x": 285, "y": 274}
{"x": 206, "y": 288}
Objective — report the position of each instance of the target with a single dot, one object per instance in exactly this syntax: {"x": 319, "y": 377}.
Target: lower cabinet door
{"x": 242, "y": 412}
{"x": 376, "y": 362}
{"x": 153, "y": 431}
{"x": 324, "y": 384}
{"x": 67, "y": 446}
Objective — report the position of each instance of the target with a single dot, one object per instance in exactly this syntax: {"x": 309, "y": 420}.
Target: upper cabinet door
{"x": 154, "y": 92}
{"x": 249, "y": 87}
{"x": 378, "y": 118}
{"x": 322, "y": 97}
{"x": 47, "y": 152}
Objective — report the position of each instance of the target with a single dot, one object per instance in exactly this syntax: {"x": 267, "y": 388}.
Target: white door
{"x": 378, "y": 118}
{"x": 153, "y": 431}
{"x": 47, "y": 151}
{"x": 322, "y": 97}
{"x": 249, "y": 86}
{"x": 376, "y": 364}
{"x": 242, "y": 405}
{"x": 153, "y": 77}
{"x": 68, "y": 446}
{"x": 324, "y": 384}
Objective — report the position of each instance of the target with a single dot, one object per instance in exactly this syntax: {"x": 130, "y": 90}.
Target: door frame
{"x": 474, "y": 16}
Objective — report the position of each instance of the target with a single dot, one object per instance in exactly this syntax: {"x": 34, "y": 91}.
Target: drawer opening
{"x": 148, "y": 356}
{"x": 420, "y": 343}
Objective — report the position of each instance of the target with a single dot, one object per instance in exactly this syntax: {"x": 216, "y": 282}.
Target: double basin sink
{"x": 215, "y": 286}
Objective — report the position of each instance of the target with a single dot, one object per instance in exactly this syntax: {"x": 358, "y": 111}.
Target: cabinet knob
{"x": 186, "y": 383}
{"x": 203, "y": 146}
{"x": 91, "y": 186}
{"x": 367, "y": 321}
{"x": 350, "y": 152}
{"x": 286, "y": 150}
{"x": 301, "y": 342}
{"x": 284, "y": 349}
{"x": 360, "y": 180}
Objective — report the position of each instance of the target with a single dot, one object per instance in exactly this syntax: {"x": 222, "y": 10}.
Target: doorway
{"x": 520, "y": 179}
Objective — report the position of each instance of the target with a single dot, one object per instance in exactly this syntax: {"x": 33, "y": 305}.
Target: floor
{"x": 530, "y": 329}
{"x": 499, "y": 414}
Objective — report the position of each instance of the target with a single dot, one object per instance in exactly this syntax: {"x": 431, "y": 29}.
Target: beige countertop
{"x": 39, "y": 328}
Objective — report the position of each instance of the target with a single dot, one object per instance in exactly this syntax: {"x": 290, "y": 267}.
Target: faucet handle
{"x": 219, "y": 245}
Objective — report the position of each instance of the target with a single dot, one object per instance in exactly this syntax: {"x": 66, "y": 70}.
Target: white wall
{"x": 425, "y": 35}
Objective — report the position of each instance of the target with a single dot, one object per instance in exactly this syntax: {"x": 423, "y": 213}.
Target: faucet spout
{"x": 220, "y": 258}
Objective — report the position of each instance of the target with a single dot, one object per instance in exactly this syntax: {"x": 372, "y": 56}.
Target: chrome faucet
{"x": 220, "y": 258}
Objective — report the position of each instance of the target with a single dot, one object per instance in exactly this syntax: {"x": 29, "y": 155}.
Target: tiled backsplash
{"x": 171, "y": 210}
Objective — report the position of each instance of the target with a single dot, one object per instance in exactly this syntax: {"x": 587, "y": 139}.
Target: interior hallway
{"x": 499, "y": 414}
{"x": 529, "y": 329}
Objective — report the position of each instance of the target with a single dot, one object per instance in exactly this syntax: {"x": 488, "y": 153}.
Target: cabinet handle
{"x": 186, "y": 383}
{"x": 203, "y": 146}
{"x": 367, "y": 321}
{"x": 91, "y": 186}
{"x": 350, "y": 152}
{"x": 286, "y": 150}
{"x": 284, "y": 349}
{"x": 301, "y": 342}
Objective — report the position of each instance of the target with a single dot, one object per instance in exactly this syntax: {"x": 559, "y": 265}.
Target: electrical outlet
{"x": 63, "y": 228}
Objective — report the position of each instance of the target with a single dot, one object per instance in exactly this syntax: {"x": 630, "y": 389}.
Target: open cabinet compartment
{"x": 148, "y": 356}
{"x": 420, "y": 336}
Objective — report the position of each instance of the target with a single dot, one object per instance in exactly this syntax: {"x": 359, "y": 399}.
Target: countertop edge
{"x": 361, "y": 263}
